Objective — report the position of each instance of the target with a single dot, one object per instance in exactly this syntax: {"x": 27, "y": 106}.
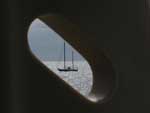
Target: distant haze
{"x": 47, "y": 45}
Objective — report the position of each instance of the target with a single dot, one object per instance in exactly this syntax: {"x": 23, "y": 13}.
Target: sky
{"x": 47, "y": 45}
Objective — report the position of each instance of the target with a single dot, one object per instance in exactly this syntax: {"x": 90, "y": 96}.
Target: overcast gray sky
{"x": 47, "y": 45}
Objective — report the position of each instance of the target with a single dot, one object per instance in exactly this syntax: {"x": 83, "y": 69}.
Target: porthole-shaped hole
{"x": 49, "y": 41}
{"x": 60, "y": 57}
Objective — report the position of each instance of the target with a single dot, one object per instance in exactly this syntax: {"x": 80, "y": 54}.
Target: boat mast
{"x": 72, "y": 60}
{"x": 64, "y": 56}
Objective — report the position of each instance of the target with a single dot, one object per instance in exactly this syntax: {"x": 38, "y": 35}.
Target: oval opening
{"x": 60, "y": 57}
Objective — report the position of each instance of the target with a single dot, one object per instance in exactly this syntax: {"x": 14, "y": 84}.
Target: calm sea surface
{"x": 81, "y": 80}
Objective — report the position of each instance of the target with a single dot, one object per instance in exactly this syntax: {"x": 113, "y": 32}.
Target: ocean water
{"x": 81, "y": 81}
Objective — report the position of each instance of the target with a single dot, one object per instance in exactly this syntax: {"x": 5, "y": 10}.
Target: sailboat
{"x": 68, "y": 68}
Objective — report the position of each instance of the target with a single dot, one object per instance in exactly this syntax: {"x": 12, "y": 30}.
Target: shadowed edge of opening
{"x": 104, "y": 79}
